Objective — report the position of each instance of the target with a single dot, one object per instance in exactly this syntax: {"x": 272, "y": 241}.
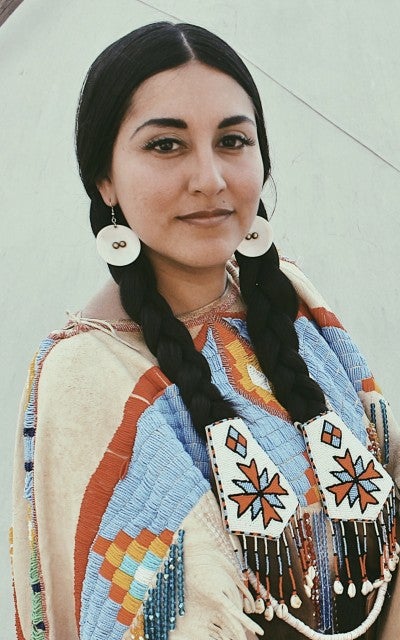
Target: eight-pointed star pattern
{"x": 356, "y": 481}
{"x": 260, "y": 493}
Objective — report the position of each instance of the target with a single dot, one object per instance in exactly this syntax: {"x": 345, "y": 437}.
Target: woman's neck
{"x": 190, "y": 290}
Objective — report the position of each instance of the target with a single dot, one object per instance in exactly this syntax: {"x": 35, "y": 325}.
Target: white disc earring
{"x": 117, "y": 244}
{"x": 258, "y": 240}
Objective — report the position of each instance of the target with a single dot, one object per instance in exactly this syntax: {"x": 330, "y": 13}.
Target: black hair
{"x": 271, "y": 300}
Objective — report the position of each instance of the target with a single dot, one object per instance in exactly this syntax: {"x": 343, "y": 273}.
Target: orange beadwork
{"x": 108, "y": 473}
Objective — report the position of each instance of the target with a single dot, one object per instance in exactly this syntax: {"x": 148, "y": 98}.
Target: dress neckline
{"x": 230, "y": 300}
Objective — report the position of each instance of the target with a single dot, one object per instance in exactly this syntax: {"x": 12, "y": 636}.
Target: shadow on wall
{"x": 6, "y": 9}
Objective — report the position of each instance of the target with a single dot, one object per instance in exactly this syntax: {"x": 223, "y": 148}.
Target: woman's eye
{"x": 235, "y": 141}
{"x": 163, "y": 145}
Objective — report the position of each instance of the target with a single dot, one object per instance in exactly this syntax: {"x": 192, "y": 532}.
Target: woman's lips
{"x": 206, "y": 218}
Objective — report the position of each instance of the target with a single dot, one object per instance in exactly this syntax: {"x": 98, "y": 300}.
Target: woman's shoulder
{"x": 95, "y": 344}
{"x": 102, "y": 313}
{"x": 305, "y": 289}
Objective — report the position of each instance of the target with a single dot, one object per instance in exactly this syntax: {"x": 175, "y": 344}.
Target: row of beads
{"x": 167, "y": 597}
{"x": 299, "y": 529}
{"x": 389, "y": 549}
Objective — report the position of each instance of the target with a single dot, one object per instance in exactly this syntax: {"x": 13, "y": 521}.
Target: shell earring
{"x": 117, "y": 244}
{"x": 258, "y": 240}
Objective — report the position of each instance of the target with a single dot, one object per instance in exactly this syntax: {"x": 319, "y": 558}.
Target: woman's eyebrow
{"x": 232, "y": 120}
{"x": 176, "y": 123}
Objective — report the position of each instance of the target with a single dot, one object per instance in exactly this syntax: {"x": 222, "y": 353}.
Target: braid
{"x": 272, "y": 307}
{"x": 171, "y": 343}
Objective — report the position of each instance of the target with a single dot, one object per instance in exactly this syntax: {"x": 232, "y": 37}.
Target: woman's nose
{"x": 206, "y": 175}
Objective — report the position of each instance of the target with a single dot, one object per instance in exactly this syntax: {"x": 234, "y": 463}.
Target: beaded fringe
{"x": 385, "y": 426}
{"x": 166, "y": 600}
{"x": 268, "y": 586}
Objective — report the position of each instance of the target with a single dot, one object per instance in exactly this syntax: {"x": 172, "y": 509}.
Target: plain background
{"x": 329, "y": 78}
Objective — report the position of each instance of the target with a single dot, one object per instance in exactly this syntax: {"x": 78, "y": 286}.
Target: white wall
{"x": 338, "y": 203}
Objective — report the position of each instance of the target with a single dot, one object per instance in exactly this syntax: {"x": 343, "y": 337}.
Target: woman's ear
{"x": 106, "y": 190}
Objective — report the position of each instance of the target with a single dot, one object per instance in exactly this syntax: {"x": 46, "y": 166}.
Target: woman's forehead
{"x": 190, "y": 88}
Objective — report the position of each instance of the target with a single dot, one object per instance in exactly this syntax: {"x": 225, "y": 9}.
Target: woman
{"x": 193, "y": 387}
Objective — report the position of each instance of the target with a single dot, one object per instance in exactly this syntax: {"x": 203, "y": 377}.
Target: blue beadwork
{"x": 158, "y": 613}
{"x": 179, "y": 569}
{"x": 168, "y": 597}
{"x": 385, "y": 423}
{"x": 146, "y": 498}
{"x": 373, "y": 413}
{"x": 319, "y": 524}
{"x": 30, "y": 418}
{"x": 392, "y": 510}
{"x": 337, "y": 543}
{"x": 171, "y": 610}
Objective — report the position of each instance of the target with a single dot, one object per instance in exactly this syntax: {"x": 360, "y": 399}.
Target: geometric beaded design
{"x": 236, "y": 442}
{"x": 266, "y": 501}
{"x": 38, "y": 610}
{"x": 331, "y": 434}
{"x": 361, "y": 485}
{"x": 130, "y": 564}
{"x": 332, "y": 359}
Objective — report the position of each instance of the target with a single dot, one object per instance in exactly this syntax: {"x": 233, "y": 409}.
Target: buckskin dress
{"x": 117, "y": 528}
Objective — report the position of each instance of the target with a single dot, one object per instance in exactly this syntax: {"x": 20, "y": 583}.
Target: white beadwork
{"x": 334, "y": 450}
{"x": 281, "y": 611}
{"x": 269, "y": 613}
{"x": 259, "y": 605}
{"x": 367, "y": 587}
{"x": 315, "y": 635}
{"x": 338, "y": 587}
{"x": 295, "y": 601}
{"x": 311, "y": 572}
{"x": 309, "y": 581}
{"x": 387, "y": 576}
{"x": 307, "y": 590}
{"x": 233, "y": 451}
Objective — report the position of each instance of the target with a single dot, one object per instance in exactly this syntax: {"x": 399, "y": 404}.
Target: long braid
{"x": 270, "y": 298}
{"x": 272, "y": 307}
{"x": 171, "y": 343}
{"x": 272, "y": 303}
{"x": 167, "y": 337}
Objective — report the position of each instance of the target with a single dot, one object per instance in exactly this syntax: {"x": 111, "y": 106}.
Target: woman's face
{"x": 186, "y": 167}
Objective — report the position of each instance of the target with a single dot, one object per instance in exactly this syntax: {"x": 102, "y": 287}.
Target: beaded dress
{"x": 117, "y": 529}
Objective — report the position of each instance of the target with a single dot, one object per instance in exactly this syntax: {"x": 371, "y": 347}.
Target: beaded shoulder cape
{"x": 125, "y": 545}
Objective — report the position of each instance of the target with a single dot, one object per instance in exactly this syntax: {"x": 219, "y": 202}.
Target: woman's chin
{"x": 212, "y": 255}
